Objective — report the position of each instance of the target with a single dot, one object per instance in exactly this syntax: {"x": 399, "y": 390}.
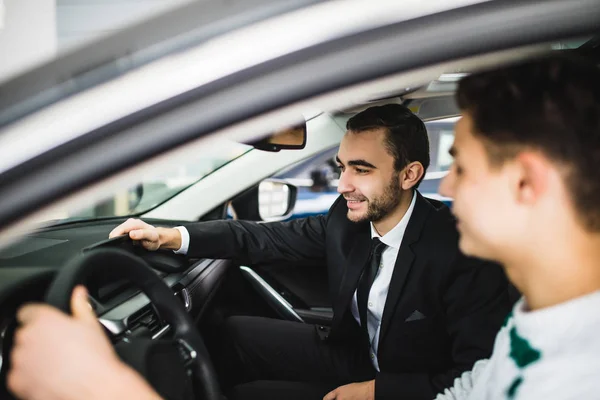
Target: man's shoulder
{"x": 439, "y": 233}
{"x": 440, "y": 222}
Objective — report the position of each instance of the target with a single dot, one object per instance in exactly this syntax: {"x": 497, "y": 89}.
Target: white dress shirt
{"x": 185, "y": 240}
{"x": 381, "y": 284}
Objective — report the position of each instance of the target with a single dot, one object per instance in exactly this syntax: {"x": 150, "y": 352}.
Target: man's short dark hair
{"x": 406, "y": 135}
{"x": 550, "y": 105}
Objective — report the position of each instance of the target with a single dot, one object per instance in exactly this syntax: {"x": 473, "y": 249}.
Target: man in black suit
{"x": 410, "y": 311}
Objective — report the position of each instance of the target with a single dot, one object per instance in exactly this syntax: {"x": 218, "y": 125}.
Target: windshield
{"x": 154, "y": 189}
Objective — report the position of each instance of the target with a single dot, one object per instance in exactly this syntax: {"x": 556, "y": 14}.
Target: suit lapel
{"x": 404, "y": 262}
{"x": 356, "y": 261}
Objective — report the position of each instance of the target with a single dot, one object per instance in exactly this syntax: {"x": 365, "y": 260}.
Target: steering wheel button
{"x": 188, "y": 354}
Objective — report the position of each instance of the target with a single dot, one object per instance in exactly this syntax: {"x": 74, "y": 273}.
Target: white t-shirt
{"x": 552, "y": 353}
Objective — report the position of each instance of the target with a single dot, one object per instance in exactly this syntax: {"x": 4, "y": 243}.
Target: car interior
{"x": 46, "y": 263}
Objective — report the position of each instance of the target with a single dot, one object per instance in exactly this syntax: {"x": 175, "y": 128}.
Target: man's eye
{"x": 361, "y": 171}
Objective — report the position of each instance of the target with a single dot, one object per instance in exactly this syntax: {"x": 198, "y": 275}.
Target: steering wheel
{"x": 176, "y": 367}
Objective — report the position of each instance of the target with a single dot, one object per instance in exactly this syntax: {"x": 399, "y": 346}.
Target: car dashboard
{"x": 28, "y": 267}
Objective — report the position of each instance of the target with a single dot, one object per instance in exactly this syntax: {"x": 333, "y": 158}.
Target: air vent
{"x": 145, "y": 317}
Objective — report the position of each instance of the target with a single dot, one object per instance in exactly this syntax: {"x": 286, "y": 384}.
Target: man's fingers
{"x": 29, "y": 312}
{"x": 139, "y": 231}
{"x": 120, "y": 230}
{"x": 15, "y": 383}
{"x": 137, "y": 234}
{"x": 331, "y": 395}
{"x": 150, "y": 245}
{"x": 144, "y": 234}
{"x": 147, "y": 238}
{"x": 128, "y": 226}
{"x": 26, "y": 313}
{"x": 81, "y": 308}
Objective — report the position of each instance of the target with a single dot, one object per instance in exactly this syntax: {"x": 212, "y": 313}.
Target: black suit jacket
{"x": 463, "y": 300}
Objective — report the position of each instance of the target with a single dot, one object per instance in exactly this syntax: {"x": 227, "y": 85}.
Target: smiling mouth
{"x": 353, "y": 203}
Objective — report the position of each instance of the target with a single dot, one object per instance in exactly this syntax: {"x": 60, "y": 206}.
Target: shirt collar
{"x": 394, "y": 237}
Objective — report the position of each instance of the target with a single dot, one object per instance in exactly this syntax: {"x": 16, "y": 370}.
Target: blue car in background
{"x": 317, "y": 177}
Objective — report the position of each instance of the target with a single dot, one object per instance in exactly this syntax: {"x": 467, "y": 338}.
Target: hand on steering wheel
{"x": 61, "y": 357}
{"x": 173, "y": 366}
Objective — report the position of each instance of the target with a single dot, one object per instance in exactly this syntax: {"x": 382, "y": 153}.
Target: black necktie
{"x": 366, "y": 281}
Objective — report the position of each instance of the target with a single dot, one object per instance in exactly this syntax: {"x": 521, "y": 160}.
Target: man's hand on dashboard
{"x": 150, "y": 237}
{"x": 61, "y": 357}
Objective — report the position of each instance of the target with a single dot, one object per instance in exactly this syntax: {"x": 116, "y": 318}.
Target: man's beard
{"x": 381, "y": 206}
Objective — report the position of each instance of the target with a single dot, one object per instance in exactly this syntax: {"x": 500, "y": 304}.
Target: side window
{"x": 441, "y": 137}
{"x": 317, "y": 177}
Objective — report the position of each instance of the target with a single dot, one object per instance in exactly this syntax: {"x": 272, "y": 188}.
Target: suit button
{"x": 321, "y": 328}
{"x": 370, "y": 304}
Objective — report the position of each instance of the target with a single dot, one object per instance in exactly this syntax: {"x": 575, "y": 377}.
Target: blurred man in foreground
{"x": 526, "y": 189}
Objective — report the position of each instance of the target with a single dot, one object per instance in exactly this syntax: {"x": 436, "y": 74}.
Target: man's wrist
{"x": 371, "y": 385}
{"x": 169, "y": 238}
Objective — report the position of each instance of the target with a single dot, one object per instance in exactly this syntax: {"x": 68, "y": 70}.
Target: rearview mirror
{"x": 291, "y": 138}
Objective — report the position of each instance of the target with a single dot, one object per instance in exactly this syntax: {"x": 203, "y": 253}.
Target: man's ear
{"x": 531, "y": 177}
{"x": 411, "y": 174}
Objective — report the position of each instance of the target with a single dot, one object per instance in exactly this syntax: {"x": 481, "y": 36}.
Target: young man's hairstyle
{"x": 406, "y": 135}
{"x": 550, "y": 105}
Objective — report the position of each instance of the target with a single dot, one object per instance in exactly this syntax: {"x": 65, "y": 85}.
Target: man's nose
{"x": 446, "y": 188}
{"x": 344, "y": 184}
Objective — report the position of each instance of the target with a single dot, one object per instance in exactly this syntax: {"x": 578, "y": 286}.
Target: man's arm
{"x": 464, "y": 384}
{"x": 299, "y": 240}
{"x": 476, "y": 302}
